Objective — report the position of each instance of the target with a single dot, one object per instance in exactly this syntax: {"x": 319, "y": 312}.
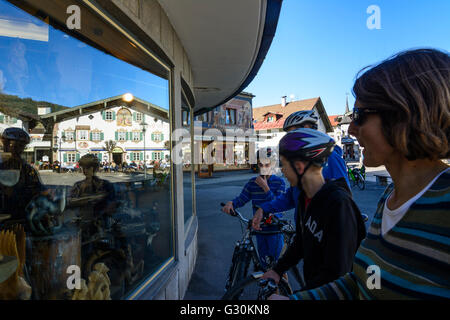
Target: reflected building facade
{"x": 125, "y": 123}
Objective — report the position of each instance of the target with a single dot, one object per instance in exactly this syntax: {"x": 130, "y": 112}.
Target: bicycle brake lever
{"x": 233, "y": 213}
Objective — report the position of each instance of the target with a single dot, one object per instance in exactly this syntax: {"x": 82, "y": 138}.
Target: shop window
{"x": 114, "y": 229}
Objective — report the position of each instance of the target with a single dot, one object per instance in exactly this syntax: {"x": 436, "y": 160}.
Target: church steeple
{"x": 347, "y": 110}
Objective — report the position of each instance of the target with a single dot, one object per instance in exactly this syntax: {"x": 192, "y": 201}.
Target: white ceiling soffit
{"x": 222, "y": 39}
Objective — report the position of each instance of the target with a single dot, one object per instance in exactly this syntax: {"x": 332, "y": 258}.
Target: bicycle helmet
{"x": 299, "y": 118}
{"x": 306, "y": 144}
{"x": 16, "y": 134}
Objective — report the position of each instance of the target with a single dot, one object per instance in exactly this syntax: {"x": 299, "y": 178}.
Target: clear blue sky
{"x": 66, "y": 71}
{"x": 319, "y": 46}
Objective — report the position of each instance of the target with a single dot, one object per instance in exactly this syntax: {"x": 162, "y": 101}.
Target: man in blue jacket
{"x": 335, "y": 168}
{"x": 265, "y": 187}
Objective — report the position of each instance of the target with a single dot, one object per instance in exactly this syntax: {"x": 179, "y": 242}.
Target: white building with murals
{"x": 138, "y": 128}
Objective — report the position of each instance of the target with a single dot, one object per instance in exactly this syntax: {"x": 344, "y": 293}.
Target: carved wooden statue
{"x": 12, "y": 243}
{"x": 98, "y": 287}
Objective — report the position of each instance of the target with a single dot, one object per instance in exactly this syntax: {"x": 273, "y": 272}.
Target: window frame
{"x": 159, "y": 66}
{"x": 69, "y": 156}
{"x": 230, "y": 116}
{"x": 110, "y": 113}
{"x": 96, "y": 133}
{"x": 80, "y": 135}
{"x": 120, "y": 134}
{"x": 136, "y": 136}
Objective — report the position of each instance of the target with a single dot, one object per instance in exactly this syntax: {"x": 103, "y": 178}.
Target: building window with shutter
{"x": 157, "y": 136}
{"x": 136, "y": 136}
{"x": 156, "y": 155}
{"x": 109, "y": 115}
{"x": 136, "y": 156}
{"x": 96, "y": 136}
{"x": 122, "y": 136}
{"x": 69, "y": 135}
{"x": 83, "y": 135}
{"x": 71, "y": 157}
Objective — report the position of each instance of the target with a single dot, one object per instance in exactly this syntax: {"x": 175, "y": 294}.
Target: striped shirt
{"x": 252, "y": 191}
{"x": 413, "y": 257}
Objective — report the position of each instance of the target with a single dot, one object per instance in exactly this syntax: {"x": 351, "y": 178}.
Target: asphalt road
{"x": 218, "y": 232}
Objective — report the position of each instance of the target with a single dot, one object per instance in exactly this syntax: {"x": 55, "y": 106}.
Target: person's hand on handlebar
{"x": 257, "y": 218}
{"x": 271, "y": 275}
{"x": 228, "y": 208}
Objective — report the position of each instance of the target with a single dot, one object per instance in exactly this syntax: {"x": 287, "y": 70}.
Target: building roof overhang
{"x": 226, "y": 42}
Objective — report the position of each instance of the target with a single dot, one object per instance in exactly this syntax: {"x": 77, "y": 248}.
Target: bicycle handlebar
{"x": 268, "y": 286}
{"x": 274, "y": 222}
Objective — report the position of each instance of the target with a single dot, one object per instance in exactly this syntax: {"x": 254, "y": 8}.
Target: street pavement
{"x": 219, "y": 232}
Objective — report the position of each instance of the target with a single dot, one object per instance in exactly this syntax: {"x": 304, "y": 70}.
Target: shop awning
{"x": 226, "y": 42}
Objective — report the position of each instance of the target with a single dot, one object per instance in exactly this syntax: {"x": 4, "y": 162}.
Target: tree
{"x": 167, "y": 145}
{"x": 110, "y": 145}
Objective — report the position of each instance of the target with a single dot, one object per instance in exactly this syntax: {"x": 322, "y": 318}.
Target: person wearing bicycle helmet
{"x": 334, "y": 167}
{"x": 19, "y": 181}
{"x": 329, "y": 226}
{"x": 265, "y": 187}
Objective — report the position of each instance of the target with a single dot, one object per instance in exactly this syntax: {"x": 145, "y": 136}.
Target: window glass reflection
{"x": 84, "y": 172}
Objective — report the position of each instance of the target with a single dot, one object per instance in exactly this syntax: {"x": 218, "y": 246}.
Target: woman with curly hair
{"x": 402, "y": 120}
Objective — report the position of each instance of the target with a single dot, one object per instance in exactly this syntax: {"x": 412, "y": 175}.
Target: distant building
{"x": 85, "y": 129}
{"x": 7, "y": 121}
{"x": 268, "y": 120}
{"x": 350, "y": 146}
{"x": 37, "y": 149}
{"x": 235, "y": 114}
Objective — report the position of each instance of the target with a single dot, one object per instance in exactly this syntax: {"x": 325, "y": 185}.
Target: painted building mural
{"x": 234, "y": 114}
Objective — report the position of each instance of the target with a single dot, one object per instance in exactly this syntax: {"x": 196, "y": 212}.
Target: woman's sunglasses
{"x": 359, "y": 115}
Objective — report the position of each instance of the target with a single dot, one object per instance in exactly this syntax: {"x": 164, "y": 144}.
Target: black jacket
{"x": 327, "y": 235}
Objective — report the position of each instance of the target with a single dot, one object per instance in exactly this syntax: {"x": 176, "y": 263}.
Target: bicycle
{"x": 357, "y": 176}
{"x": 241, "y": 286}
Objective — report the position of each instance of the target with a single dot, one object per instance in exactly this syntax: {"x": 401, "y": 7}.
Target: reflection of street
{"x": 69, "y": 179}
{"x": 219, "y": 232}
